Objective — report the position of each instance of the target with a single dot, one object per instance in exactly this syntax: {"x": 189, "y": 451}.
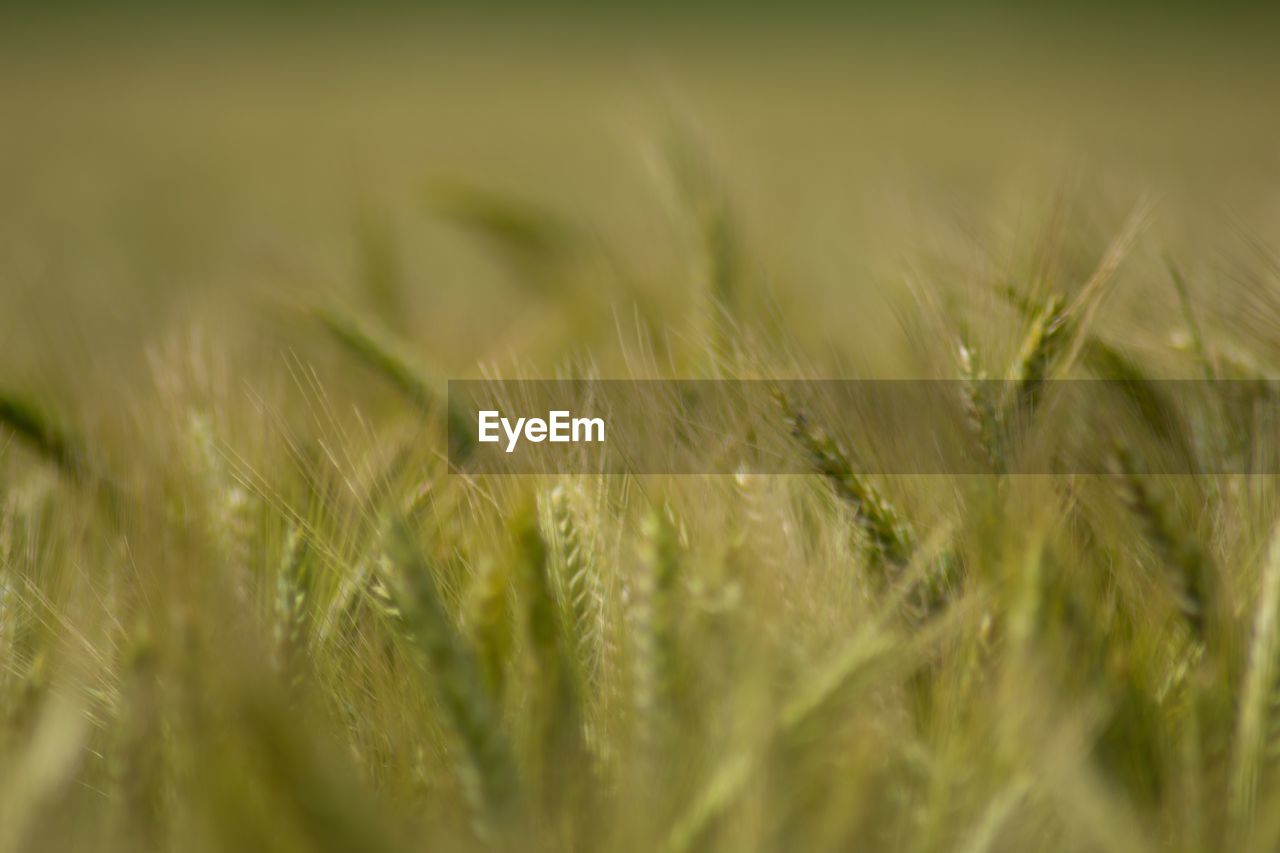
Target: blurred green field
{"x": 245, "y": 605}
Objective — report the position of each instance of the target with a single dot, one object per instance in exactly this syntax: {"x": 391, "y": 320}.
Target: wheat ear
{"x": 654, "y": 627}
{"x": 580, "y": 583}
{"x": 890, "y": 536}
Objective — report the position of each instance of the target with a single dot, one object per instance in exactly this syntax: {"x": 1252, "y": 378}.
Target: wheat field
{"x": 246, "y": 604}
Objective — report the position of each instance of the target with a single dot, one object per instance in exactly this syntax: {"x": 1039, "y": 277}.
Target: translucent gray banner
{"x": 865, "y": 426}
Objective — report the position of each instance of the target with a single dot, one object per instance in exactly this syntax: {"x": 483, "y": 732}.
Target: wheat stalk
{"x": 60, "y": 448}
{"x": 890, "y": 536}
{"x": 653, "y": 623}
{"x": 374, "y": 349}
{"x": 1037, "y": 360}
{"x": 43, "y": 435}
{"x": 293, "y": 593}
{"x": 981, "y": 412}
{"x": 1259, "y": 681}
{"x": 487, "y": 768}
{"x": 1175, "y": 542}
{"x": 490, "y": 621}
{"x": 580, "y": 583}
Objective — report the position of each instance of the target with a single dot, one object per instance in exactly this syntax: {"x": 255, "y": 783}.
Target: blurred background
{"x": 161, "y": 165}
